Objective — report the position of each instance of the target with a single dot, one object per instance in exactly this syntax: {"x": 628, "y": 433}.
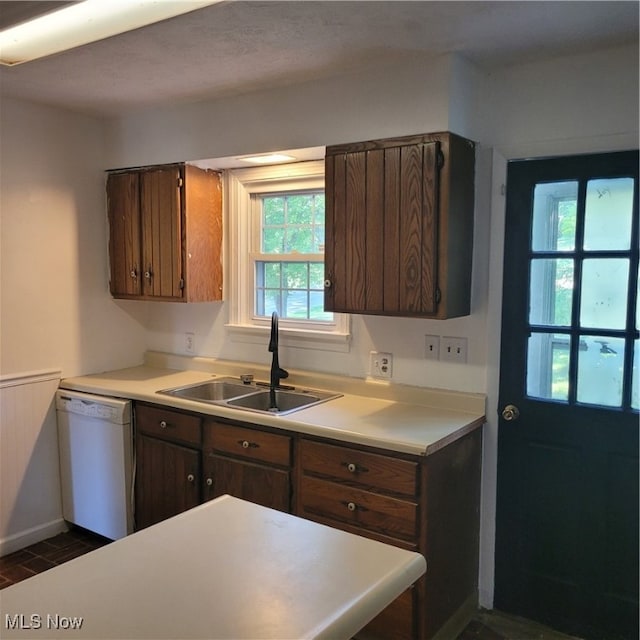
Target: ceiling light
{"x": 85, "y": 22}
{"x": 267, "y": 158}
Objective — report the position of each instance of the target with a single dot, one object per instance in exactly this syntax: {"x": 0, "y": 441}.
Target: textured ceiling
{"x": 237, "y": 47}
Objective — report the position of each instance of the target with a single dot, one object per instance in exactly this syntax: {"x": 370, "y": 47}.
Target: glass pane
{"x": 316, "y": 275}
{"x": 608, "y": 213}
{"x": 273, "y": 210}
{"x": 300, "y": 239}
{"x": 554, "y": 216}
{"x": 273, "y": 239}
{"x": 548, "y": 366}
{"x": 316, "y": 310}
{"x": 600, "y": 371}
{"x": 551, "y": 291}
{"x": 295, "y": 275}
{"x": 604, "y": 293}
{"x": 271, "y": 274}
{"x": 635, "y": 379}
{"x": 300, "y": 209}
{"x": 296, "y": 304}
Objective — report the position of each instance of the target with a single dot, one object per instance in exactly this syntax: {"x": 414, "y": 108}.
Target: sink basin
{"x": 229, "y": 392}
{"x": 286, "y": 401}
{"x": 212, "y": 390}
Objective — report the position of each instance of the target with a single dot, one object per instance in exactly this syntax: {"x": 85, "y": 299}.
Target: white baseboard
{"x": 28, "y": 537}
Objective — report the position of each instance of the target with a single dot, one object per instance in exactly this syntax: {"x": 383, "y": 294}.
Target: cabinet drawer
{"x": 364, "y": 509}
{"x": 248, "y": 443}
{"x": 168, "y": 425}
{"x": 359, "y": 468}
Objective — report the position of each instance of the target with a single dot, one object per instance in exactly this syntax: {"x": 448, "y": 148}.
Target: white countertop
{"x": 228, "y": 569}
{"x": 407, "y": 420}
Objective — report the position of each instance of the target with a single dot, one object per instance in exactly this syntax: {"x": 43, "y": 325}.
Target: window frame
{"x": 242, "y": 186}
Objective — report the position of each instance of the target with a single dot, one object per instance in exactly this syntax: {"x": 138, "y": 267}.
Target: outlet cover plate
{"x": 381, "y": 365}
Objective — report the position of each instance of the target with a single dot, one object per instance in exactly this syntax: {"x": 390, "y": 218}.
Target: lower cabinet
{"x": 247, "y": 463}
{"x": 168, "y": 465}
{"x": 429, "y": 504}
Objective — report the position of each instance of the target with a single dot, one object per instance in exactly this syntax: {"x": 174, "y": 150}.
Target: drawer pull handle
{"x": 163, "y": 424}
{"x": 209, "y": 482}
{"x": 351, "y": 506}
{"x": 352, "y": 467}
{"x": 191, "y": 477}
{"x": 245, "y": 444}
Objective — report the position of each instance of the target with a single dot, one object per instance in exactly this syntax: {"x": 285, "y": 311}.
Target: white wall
{"x": 56, "y": 311}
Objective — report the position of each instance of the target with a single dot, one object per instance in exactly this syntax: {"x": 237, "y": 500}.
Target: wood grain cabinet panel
{"x": 165, "y": 233}
{"x": 360, "y": 468}
{"x": 251, "y": 464}
{"x": 399, "y": 226}
{"x": 430, "y": 504}
{"x": 363, "y": 509}
{"x": 167, "y": 424}
{"x": 167, "y": 480}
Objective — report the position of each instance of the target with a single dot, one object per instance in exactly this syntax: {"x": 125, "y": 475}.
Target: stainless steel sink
{"x": 285, "y": 401}
{"x": 231, "y": 392}
{"x": 212, "y": 390}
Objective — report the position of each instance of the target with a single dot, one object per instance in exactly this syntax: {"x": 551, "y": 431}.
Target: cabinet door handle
{"x": 133, "y": 273}
{"x": 191, "y": 477}
{"x": 327, "y": 284}
{"x": 209, "y": 482}
{"x": 148, "y": 274}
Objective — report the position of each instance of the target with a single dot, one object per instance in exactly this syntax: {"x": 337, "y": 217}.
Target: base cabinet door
{"x": 257, "y": 483}
{"x": 166, "y": 480}
{"x": 396, "y": 622}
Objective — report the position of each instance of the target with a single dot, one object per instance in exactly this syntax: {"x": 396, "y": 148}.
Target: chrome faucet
{"x": 277, "y": 373}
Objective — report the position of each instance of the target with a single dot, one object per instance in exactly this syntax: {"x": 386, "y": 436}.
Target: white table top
{"x": 227, "y": 569}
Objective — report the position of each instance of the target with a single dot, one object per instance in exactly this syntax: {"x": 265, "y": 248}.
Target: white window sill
{"x": 296, "y": 338}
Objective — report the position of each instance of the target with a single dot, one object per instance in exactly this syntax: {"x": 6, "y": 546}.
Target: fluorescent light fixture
{"x": 267, "y": 158}
{"x": 85, "y": 22}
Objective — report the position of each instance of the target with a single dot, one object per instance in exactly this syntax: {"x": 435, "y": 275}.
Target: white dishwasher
{"x": 96, "y": 462}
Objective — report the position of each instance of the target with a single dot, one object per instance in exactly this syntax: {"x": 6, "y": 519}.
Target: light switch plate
{"x": 453, "y": 349}
{"x": 432, "y": 347}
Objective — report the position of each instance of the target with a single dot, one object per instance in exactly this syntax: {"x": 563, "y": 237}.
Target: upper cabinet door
{"x": 399, "y": 226}
{"x": 162, "y": 232}
{"x": 165, "y": 225}
{"x": 123, "y": 204}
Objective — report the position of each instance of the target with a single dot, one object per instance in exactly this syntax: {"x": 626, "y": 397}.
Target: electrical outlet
{"x": 432, "y": 347}
{"x": 453, "y": 349}
{"x": 381, "y": 364}
{"x": 189, "y": 343}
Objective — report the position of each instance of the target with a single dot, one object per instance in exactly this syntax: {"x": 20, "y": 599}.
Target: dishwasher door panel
{"x": 96, "y": 474}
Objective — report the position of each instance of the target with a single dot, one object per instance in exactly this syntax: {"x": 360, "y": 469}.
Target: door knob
{"x": 510, "y": 412}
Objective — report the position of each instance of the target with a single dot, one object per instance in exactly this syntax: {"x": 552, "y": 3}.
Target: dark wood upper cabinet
{"x": 165, "y": 233}
{"x": 399, "y": 226}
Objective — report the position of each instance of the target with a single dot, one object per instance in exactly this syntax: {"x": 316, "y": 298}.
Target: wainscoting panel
{"x": 30, "y": 502}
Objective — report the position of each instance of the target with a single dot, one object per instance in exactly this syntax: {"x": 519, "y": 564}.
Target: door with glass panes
{"x": 567, "y": 501}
